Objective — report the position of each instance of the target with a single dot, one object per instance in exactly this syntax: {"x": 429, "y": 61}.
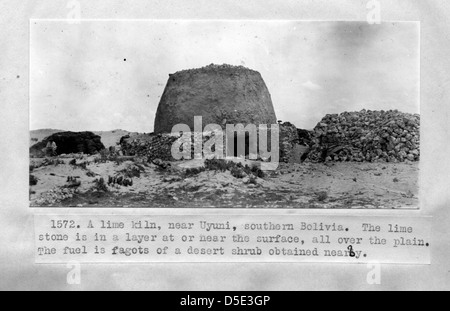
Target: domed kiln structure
{"x": 221, "y": 94}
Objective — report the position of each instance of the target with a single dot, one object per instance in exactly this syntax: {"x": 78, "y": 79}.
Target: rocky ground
{"x": 90, "y": 181}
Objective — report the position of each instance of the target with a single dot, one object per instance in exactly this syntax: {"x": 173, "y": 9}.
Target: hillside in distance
{"x": 109, "y": 138}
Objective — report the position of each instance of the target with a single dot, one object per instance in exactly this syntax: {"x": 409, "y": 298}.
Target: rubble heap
{"x": 367, "y": 136}
{"x": 294, "y": 143}
{"x": 152, "y": 146}
{"x": 158, "y": 146}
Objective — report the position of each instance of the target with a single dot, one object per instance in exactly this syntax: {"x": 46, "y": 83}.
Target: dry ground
{"x": 308, "y": 185}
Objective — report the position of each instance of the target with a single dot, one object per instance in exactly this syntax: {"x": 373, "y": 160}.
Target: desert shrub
{"x": 100, "y": 160}
{"x": 141, "y": 166}
{"x": 109, "y": 155}
{"x": 322, "y": 196}
{"x": 120, "y": 181}
{"x": 236, "y": 169}
{"x": 132, "y": 172}
{"x": 253, "y": 180}
{"x": 127, "y": 182}
{"x": 100, "y": 186}
{"x": 190, "y": 172}
{"x": 57, "y": 162}
{"x": 216, "y": 165}
{"x": 82, "y": 165}
{"x": 32, "y": 168}
{"x": 254, "y": 170}
{"x": 72, "y": 182}
{"x": 238, "y": 172}
{"x": 54, "y": 162}
{"x": 118, "y": 160}
{"x": 33, "y": 180}
{"x": 104, "y": 154}
{"x": 261, "y": 173}
{"x": 257, "y": 172}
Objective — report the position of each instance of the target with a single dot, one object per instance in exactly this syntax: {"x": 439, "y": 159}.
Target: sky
{"x": 106, "y": 75}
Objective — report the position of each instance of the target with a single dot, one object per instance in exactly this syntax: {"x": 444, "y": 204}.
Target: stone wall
{"x": 152, "y": 146}
{"x": 158, "y": 146}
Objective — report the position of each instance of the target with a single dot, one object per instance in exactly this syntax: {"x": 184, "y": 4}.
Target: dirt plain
{"x": 340, "y": 185}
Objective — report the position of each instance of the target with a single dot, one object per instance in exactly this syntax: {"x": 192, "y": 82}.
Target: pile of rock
{"x": 152, "y": 146}
{"x": 367, "y": 136}
{"x": 304, "y": 137}
{"x": 54, "y": 196}
{"x": 159, "y": 146}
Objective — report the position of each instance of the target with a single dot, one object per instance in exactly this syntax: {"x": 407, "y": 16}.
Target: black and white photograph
{"x": 224, "y": 114}
{"x": 225, "y": 152}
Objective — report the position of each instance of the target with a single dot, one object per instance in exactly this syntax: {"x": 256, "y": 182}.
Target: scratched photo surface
{"x": 137, "y": 114}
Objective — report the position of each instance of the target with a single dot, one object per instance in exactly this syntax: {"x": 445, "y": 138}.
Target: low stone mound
{"x": 70, "y": 142}
{"x": 159, "y": 146}
{"x": 367, "y": 136}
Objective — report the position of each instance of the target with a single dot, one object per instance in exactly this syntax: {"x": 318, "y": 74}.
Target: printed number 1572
{"x": 63, "y": 224}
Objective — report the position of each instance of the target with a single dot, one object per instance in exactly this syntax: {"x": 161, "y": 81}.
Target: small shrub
{"x": 236, "y": 169}
{"x": 100, "y": 186}
{"x": 322, "y": 196}
{"x": 104, "y": 154}
{"x": 73, "y": 162}
{"x": 134, "y": 171}
{"x": 72, "y": 182}
{"x": 57, "y": 162}
{"x": 258, "y": 172}
{"x": 190, "y": 172}
{"x": 33, "y": 180}
{"x": 127, "y": 182}
{"x": 237, "y": 172}
{"x": 120, "y": 180}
